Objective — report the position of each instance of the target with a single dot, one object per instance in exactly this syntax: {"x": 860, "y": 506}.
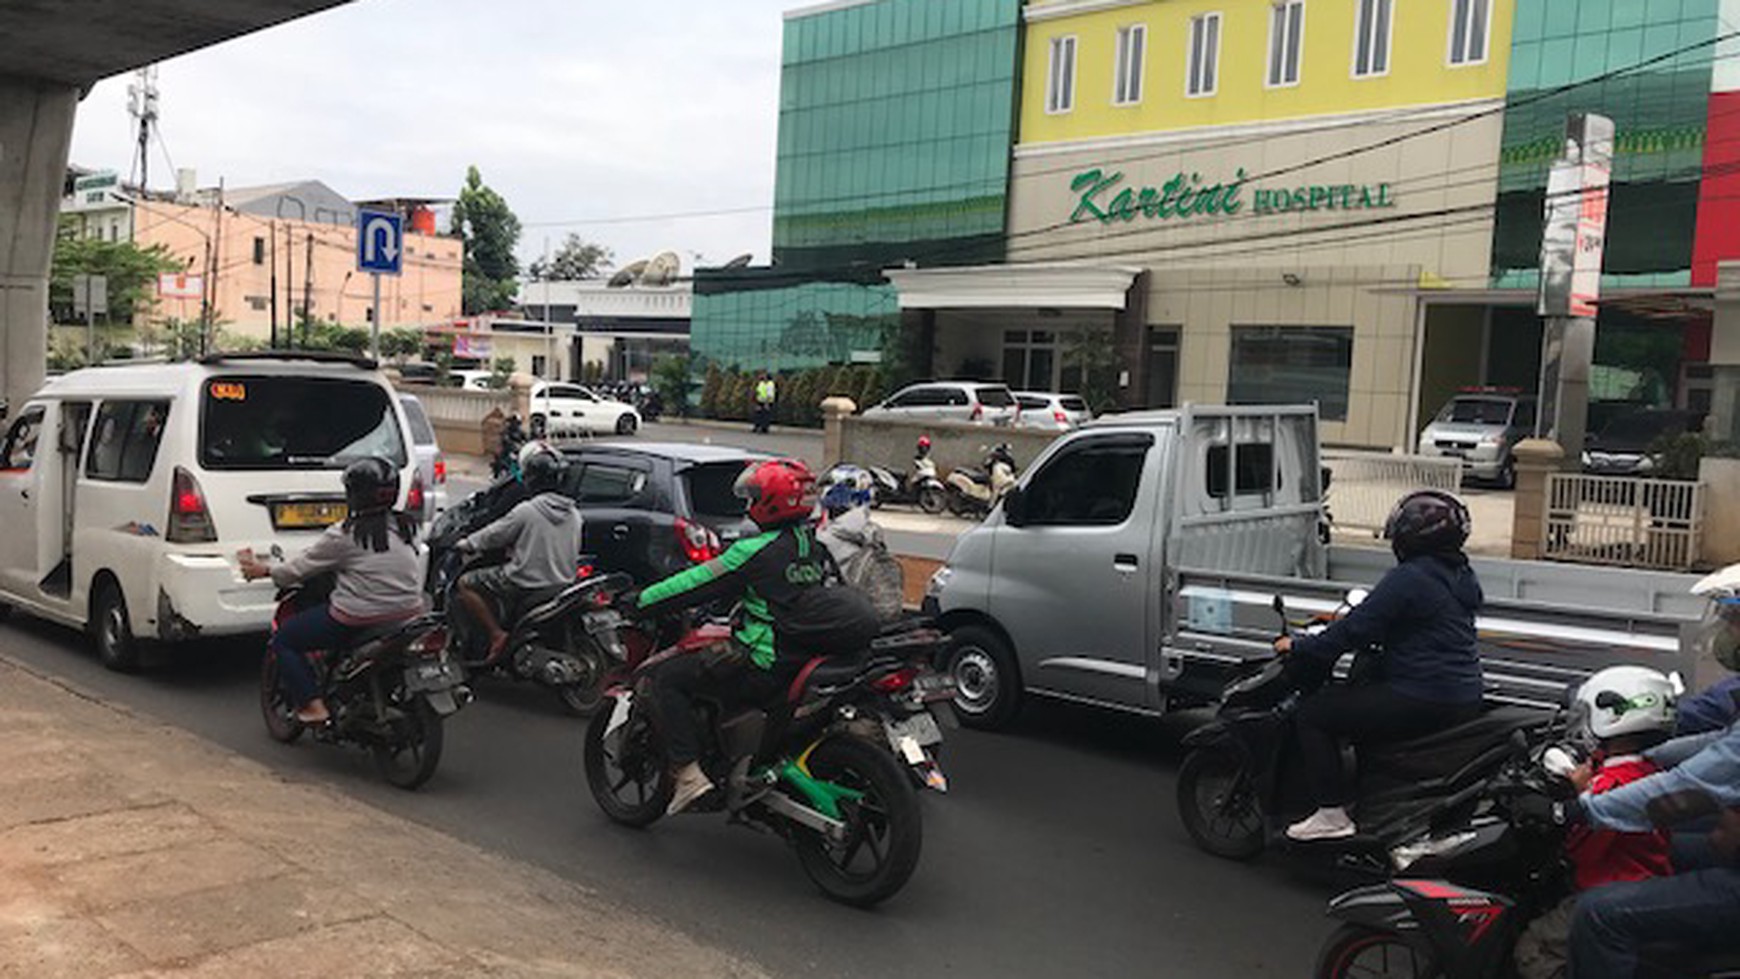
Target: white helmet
{"x": 1719, "y": 634}
{"x": 1623, "y": 700}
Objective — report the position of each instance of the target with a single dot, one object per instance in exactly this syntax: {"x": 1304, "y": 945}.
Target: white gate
{"x": 1640, "y": 523}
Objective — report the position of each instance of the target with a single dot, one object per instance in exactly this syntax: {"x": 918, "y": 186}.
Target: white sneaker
{"x": 692, "y": 783}
{"x": 1329, "y": 823}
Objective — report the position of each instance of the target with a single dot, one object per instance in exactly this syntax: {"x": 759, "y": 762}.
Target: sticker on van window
{"x": 1211, "y": 612}
{"x": 228, "y": 391}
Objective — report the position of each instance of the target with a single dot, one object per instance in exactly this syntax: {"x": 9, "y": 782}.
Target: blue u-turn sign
{"x": 380, "y": 239}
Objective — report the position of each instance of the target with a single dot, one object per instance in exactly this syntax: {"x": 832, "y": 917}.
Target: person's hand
{"x": 1284, "y": 645}
{"x": 251, "y": 566}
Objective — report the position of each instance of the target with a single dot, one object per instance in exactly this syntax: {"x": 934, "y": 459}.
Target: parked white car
{"x": 127, "y": 491}
{"x": 985, "y": 402}
{"x": 569, "y": 409}
{"x": 1044, "y": 409}
{"x": 431, "y": 463}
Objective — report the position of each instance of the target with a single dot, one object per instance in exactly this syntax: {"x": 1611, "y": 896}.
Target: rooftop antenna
{"x": 142, "y": 107}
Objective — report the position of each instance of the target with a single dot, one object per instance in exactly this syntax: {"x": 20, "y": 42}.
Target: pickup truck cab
{"x": 1135, "y": 564}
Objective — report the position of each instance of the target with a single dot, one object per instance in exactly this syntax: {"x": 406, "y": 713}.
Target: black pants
{"x": 1368, "y": 713}
{"x": 724, "y": 673}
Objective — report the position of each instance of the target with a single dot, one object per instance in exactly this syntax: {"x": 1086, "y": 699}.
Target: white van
{"x": 125, "y": 492}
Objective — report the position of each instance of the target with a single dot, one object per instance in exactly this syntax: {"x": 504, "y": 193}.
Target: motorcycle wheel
{"x": 411, "y": 759}
{"x": 930, "y": 500}
{"x": 281, "y": 722}
{"x": 1358, "y": 952}
{"x": 1221, "y": 815}
{"x": 885, "y": 831}
{"x": 631, "y": 781}
{"x": 582, "y": 699}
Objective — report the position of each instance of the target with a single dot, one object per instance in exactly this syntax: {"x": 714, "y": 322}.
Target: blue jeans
{"x": 1696, "y": 911}
{"x": 302, "y": 633}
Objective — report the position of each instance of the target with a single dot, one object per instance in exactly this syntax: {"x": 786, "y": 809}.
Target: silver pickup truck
{"x": 1136, "y": 564}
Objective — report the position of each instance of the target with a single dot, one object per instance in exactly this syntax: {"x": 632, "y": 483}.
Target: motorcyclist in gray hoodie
{"x": 544, "y": 533}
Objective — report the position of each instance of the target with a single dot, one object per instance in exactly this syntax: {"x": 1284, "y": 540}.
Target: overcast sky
{"x": 573, "y": 110}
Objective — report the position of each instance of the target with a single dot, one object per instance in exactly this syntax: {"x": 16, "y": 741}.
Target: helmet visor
{"x": 1719, "y": 633}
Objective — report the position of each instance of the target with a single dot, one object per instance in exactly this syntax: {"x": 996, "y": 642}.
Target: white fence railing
{"x": 1640, "y": 523}
{"x": 1364, "y": 486}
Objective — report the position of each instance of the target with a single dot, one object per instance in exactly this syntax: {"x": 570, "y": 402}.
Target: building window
{"x": 1371, "y": 39}
{"x": 1204, "y": 64}
{"x": 1286, "y": 38}
{"x": 538, "y": 364}
{"x": 1060, "y": 82}
{"x": 1292, "y": 365}
{"x": 1469, "y": 24}
{"x": 1029, "y": 359}
{"x": 257, "y": 303}
{"x": 1127, "y": 82}
{"x": 259, "y": 251}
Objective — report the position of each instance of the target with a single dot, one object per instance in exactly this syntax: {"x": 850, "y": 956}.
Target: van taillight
{"x": 700, "y": 544}
{"x": 189, "y": 518}
{"x": 978, "y": 412}
{"x": 414, "y": 496}
{"x": 1062, "y": 419}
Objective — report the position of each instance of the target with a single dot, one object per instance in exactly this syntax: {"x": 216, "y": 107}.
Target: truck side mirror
{"x": 1014, "y": 507}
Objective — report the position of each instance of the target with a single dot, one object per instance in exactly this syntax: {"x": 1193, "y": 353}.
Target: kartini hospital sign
{"x": 1104, "y": 197}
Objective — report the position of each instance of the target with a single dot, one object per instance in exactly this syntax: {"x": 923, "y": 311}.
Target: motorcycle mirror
{"x": 1280, "y": 607}
{"x": 1677, "y": 683}
{"x": 277, "y": 553}
{"x": 1357, "y": 597}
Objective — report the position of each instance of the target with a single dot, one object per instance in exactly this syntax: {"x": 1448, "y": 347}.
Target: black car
{"x": 1624, "y": 446}
{"x": 650, "y": 509}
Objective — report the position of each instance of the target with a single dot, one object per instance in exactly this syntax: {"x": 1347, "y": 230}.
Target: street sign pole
{"x": 375, "y": 324}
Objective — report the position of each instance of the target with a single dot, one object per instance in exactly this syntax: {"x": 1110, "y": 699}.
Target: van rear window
{"x": 253, "y": 422}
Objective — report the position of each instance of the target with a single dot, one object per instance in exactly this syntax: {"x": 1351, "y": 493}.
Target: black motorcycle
{"x": 388, "y": 691}
{"x": 564, "y": 637}
{"x": 1243, "y": 781}
{"x": 825, "y": 768}
{"x": 1459, "y": 899}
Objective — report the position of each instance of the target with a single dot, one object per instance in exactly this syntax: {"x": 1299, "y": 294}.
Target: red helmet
{"x": 924, "y": 441}
{"x": 779, "y": 491}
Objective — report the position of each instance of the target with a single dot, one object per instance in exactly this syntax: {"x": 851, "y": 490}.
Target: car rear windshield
{"x": 995, "y": 397}
{"x": 1477, "y": 411}
{"x": 709, "y": 487}
{"x": 249, "y": 422}
{"x": 1028, "y": 401}
{"x": 421, "y": 431}
{"x": 1073, "y": 404}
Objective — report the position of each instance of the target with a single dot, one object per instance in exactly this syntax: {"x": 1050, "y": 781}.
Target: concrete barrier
{"x": 460, "y": 416}
{"x": 877, "y": 441}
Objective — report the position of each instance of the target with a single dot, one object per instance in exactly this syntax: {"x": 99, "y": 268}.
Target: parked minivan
{"x": 126, "y": 491}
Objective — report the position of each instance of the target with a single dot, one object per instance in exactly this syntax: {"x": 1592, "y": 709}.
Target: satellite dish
{"x": 740, "y": 262}
{"x": 626, "y": 275}
{"x": 661, "y": 270}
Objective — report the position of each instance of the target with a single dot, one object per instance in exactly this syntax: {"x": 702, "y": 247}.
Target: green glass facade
{"x": 895, "y": 125}
{"x": 761, "y": 320}
{"x": 1659, "y": 113}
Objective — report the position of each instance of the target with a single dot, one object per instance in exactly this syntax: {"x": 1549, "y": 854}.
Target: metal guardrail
{"x": 1365, "y": 486}
{"x": 1641, "y": 523}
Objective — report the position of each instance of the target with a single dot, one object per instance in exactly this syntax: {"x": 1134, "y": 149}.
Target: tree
{"x": 132, "y": 273}
{"x": 490, "y": 232}
{"x": 576, "y": 259}
{"x": 670, "y": 378}
{"x": 501, "y": 372}
{"x": 401, "y": 343}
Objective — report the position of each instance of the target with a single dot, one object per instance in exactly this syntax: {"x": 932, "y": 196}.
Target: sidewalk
{"x": 129, "y": 848}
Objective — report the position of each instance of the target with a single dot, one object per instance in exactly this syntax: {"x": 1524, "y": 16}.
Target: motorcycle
{"x": 507, "y": 457}
{"x": 975, "y": 492}
{"x": 389, "y": 690}
{"x": 920, "y": 487}
{"x": 826, "y": 768}
{"x": 565, "y": 638}
{"x": 1243, "y": 781}
{"x": 1459, "y": 899}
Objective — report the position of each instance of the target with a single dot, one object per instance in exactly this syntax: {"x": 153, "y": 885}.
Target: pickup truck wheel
{"x": 987, "y": 681}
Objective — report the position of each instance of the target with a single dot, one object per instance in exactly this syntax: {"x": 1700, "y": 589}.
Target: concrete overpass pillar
{"x": 36, "y": 123}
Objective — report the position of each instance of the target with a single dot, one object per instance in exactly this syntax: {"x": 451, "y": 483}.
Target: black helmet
{"x": 371, "y": 484}
{"x": 541, "y": 471}
{"x": 1427, "y": 522}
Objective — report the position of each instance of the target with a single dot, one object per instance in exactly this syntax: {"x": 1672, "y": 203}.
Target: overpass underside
{"x": 51, "y": 52}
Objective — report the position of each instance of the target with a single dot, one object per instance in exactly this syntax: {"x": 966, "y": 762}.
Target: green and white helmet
{"x": 1623, "y": 700}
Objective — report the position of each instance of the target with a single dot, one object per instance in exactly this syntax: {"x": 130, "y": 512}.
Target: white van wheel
{"x": 112, "y": 629}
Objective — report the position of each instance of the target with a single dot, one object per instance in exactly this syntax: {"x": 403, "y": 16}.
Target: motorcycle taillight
{"x": 895, "y": 682}
{"x": 430, "y": 643}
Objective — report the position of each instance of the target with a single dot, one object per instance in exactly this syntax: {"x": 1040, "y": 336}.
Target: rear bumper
{"x": 200, "y": 595}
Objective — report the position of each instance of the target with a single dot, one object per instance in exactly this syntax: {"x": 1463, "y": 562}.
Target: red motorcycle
{"x": 825, "y": 767}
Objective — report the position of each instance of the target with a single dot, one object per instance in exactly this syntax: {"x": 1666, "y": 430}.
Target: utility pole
{"x": 308, "y": 278}
{"x": 216, "y": 251}
{"x": 289, "y": 287}
{"x": 272, "y": 236}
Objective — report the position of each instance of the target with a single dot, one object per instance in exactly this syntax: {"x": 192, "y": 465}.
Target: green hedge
{"x": 729, "y": 395}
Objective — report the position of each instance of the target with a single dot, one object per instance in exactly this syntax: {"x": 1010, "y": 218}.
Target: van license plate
{"x": 299, "y": 516}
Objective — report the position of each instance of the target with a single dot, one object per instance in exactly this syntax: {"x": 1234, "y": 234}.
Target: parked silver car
{"x": 1481, "y": 427}
{"x": 959, "y": 401}
{"x": 1044, "y": 409}
{"x": 431, "y": 465}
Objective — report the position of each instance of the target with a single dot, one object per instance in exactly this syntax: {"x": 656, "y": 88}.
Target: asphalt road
{"x": 1058, "y": 852}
